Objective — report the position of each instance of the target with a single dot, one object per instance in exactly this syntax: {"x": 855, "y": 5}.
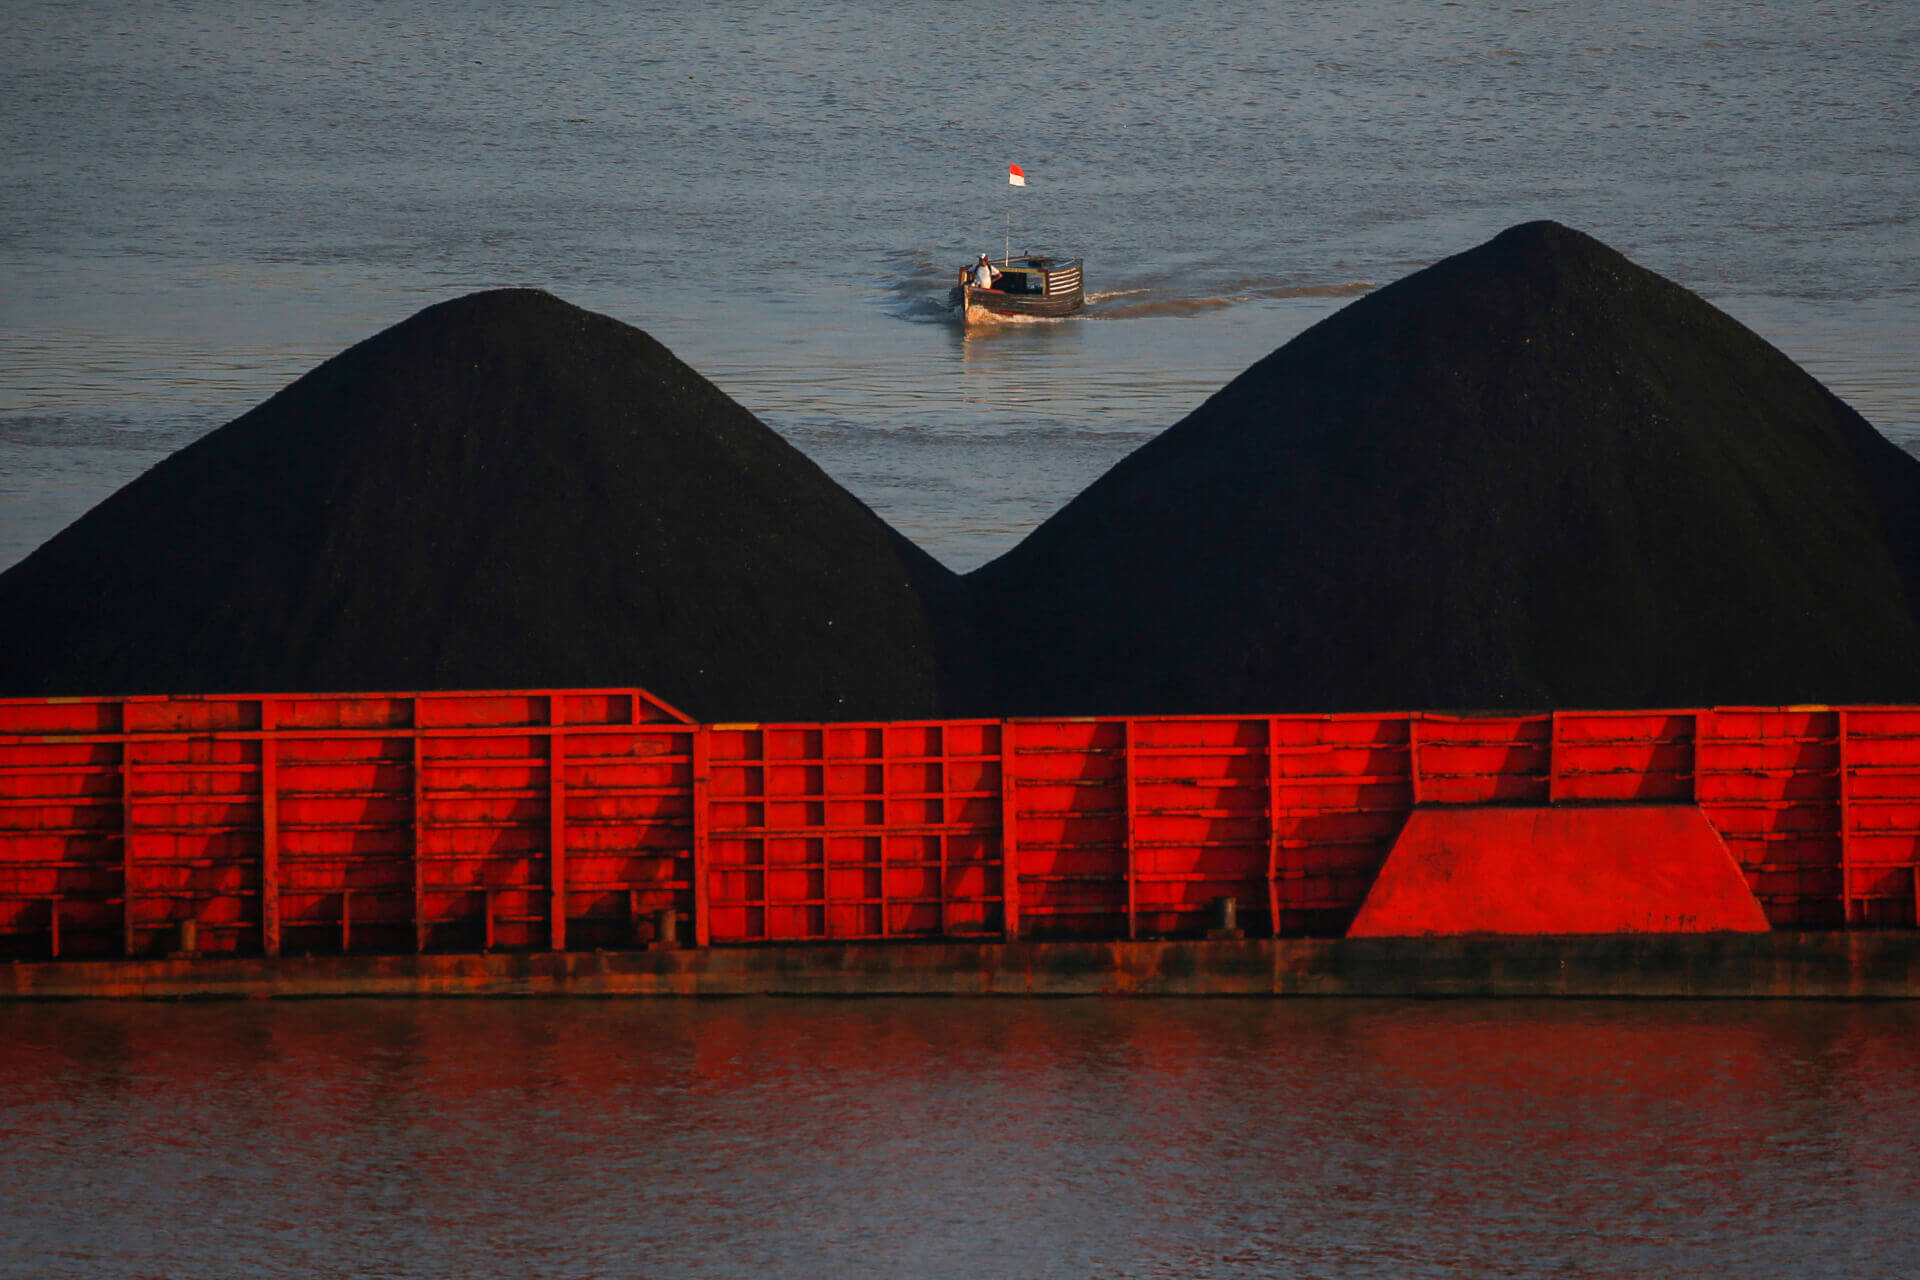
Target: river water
{"x": 957, "y": 1138}
{"x": 205, "y": 198}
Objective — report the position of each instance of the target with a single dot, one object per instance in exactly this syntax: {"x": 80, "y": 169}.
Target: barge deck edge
{"x": 1796, "y": 965}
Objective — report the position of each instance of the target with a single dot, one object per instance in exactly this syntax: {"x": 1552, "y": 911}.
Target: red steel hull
{"x": 569, "y": 820}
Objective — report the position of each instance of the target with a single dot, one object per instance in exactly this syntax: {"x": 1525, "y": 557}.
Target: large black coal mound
{"x": 1533, "y": 475}
{"x": 504, "y": 491}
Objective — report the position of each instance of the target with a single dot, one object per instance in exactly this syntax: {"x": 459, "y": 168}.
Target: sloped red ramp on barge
{"x": 1570, "y": 869}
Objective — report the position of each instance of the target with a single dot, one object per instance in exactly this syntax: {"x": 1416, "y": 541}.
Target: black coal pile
{"x": 504, "y": 491}
{"x": 1533, "y": 475}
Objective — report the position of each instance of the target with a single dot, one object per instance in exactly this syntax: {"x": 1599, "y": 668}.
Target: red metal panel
{"x": 54, "y": 719}
{"x": 855, "y": 812}
{"x": 358, "y": 712}
{"x": 648, "y": 709}
{"x": 416, "y": 819}
{"x": 766, "y": 866}
{"x": 702, "y": 847}
{"x": 1130, "y": 849}
{"x": 1881, "y": 816}
{"x": 1484, "y": 759}
{"x": 1200, "y": 829}
{"x": 503, "y": 709}
{"x": 346, "y": 823}
{"x": 1769, "y": 781}
{"x": 189, "y": 715}
{"x": 1413, "y": 759}
{"x": 318, "y": 821}
{"x": 1342, "y": 790}
{"x": 452, "y": 820}
{"x": 1555, "y": 759}
{"x": 269, "y": 832}
{"x": 1847, "y": 898}
{"x": 124, "y": 775}
{"x": 1011, "y": 866}
{"x": 193, "y": 826}
{"x": 1562, "y": 869}
{"x": 483, "y": 849}
{"x": 1067, "y": 785}
{"x": 60, "y": 828}
{"x": 853, "y": 830}
{"x": 556, "y": 834}
{"x": 1637, "y": 756}
{"x": 1273, "y": 828}
{"x": 734, "y": 809}
{"x": 629, "y": 831}
{"x": 953, "y": 769}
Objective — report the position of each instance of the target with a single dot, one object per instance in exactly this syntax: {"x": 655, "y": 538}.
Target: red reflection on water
{"x": 977, "y": 1137}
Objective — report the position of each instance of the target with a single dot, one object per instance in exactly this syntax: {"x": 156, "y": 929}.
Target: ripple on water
{"x": 897, "y": 1137}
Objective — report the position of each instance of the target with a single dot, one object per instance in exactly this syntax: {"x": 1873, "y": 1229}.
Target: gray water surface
{"x": 960, "y": 1138}
{"x": 202, "y": 200}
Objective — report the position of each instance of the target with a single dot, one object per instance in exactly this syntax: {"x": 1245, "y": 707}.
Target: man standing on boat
{"x": 983, "y": 274}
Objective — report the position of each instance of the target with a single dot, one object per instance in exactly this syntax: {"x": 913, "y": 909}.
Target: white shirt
{"x": 983, "y": 276}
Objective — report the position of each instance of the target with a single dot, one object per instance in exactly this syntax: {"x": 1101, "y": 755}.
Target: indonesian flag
{"x": 1016, "y": 176}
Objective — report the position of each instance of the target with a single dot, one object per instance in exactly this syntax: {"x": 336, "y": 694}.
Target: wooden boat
{"x": 1030, "y": 286}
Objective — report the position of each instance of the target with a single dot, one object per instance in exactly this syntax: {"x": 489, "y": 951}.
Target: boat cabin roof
{"x": 1035, "y": 262}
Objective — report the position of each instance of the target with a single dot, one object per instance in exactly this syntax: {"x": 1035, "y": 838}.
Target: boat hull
{"x": 978, "y": 306}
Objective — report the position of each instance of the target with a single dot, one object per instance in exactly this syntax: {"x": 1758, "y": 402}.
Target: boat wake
{"x": 977, "y": 317}
{"x": 1136, "y": 304}
{"x": 919, "y": 286}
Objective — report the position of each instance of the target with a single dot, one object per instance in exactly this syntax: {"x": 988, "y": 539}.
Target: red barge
{"x": 599, "y": 841}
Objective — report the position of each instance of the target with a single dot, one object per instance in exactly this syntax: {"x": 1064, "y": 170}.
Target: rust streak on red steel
{"x": 551, "y": 818}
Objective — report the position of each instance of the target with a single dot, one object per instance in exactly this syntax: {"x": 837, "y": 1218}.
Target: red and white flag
{"x": 1016, "y": 176}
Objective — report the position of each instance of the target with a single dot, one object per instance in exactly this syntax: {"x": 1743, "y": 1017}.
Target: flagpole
{"x": 1016, "y": 177}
